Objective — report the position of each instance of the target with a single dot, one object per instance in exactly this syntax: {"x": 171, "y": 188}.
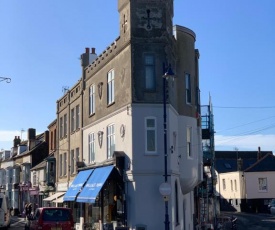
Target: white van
{"x": 4, "y": 212}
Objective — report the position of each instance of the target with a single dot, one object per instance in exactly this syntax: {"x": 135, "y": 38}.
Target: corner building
{"x": 122, "y": 157}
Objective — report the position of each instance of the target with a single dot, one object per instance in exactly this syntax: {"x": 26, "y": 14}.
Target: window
{"x": 92, "y": 99}
{"x": 110, "y": 140}
{"x": 72, "y": 120}
{"x": 188, "y": 88}
{"x": 150, "y": 79}
{"x": 60, "y": 165}
{"x": 188, "y": 141}
{"x": 263, "y": 184}
{"x": 111, "y": 87}
{"x": 72, "y": 171}
{"x": 223, "y": 184}
{"x": 65, "y": 124}
{"x": 91, "y": 147}
{"x": 34, "y": 178}
{"x": 65, "y": 164}
{"x": 60, "y": 127}
{"x": 77, "y": 154}
{"x": 231, "y": 182}
{"x": 77, "y": 120}
{"x": 150, "y": 134}
{"x": 235, "y": 182}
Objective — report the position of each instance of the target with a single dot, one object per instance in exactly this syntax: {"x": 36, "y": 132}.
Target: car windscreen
{"x": 56, "y": 215}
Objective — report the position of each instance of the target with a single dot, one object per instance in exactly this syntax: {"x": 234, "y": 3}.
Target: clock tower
{"x": 145, "y": 18}
{"x": 146, "y": 26}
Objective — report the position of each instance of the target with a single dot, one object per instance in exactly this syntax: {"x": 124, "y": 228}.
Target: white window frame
{"x": 60, "y": 165}
{"x": 34, "y": 178}
{"x": 150, "y": 75}
{"x": 189, "y": 141}
{"x": 188, "y": 88}
{"x": 262, "y": 181}
{"x": 65, "y": 124}
{"x": 72, "y": 119}
{"x": 110, "y": 140}
{"x": 111, "y": 87}
{"x": 150, "y": 129}
{"x": 72, "y": 157}
{"x": 92, "y": 100}
{"x": 65, "y": 164}
{"x": 60, "y": 127}
{"x": 91, "y": 151}
{"x": 77, "y": 119}
{"x": 223, "y": 184}
{"x": 77, "y": 155}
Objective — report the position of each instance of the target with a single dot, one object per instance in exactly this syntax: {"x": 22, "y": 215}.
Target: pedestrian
{"x": 30, "y": 208}
{"x": 26, "y": 210}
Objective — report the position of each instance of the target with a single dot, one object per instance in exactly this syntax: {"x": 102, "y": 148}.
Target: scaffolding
{"x": 206, "y": 193}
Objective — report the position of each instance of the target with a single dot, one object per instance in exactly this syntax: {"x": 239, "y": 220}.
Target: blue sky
{"x": 41, "y": 42}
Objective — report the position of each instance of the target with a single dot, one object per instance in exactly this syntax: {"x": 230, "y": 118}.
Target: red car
{"x": 51, "y": 218}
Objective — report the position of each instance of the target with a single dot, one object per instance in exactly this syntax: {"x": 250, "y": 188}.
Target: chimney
{"x": 259, "y": 153}
{"x": 47, "y": 137}
{"x": 31, "y": 138}
{"x": 87, "y": 58}
{"x": 240, "y": 164}
{"x": 16, "y": 141}
{"x": 31, "y": 134}
{"x": 92, "y": 56}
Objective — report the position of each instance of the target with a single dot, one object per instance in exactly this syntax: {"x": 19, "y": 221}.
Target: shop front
{"x": 99, "y": 200}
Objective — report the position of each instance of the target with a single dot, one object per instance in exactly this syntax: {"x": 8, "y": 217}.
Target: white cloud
{"x": 248, "y": 142}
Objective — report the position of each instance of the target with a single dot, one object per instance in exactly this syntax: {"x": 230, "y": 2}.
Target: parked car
{"x": 271, "y": 206}
{"x": 4, "y": 211}
{"x": 47, "y": 218}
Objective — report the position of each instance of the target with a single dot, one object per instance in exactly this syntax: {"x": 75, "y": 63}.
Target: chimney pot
{"x": 93, "y": 50}
{"x": 87, "y": 50}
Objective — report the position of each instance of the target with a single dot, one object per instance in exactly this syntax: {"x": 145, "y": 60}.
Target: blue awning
{"x": 94, "y": 184}
{"x": 77, "y": 185}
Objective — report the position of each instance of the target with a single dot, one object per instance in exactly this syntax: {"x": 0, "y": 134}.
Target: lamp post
{"x": 165, "y": 188}
{"x": 8, "y": 80}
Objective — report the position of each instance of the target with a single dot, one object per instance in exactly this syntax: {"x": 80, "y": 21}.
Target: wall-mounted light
{"x": 100, "y": 138}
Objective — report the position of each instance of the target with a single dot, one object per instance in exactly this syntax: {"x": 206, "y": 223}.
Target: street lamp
{"x": 165, "y": 188}
{"x": 8, "y": 80}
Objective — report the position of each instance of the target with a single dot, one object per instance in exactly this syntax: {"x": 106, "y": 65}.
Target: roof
{"x": 267, "y": 163}
{"x": 41, "y": 165}
{"x": 226, "y": 161}
{"x": 240, "y": 154}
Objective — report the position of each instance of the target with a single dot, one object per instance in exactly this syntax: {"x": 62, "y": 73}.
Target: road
{"x": 245, "y": 221}
{"x": 17, "y": 223}
{"x": 259, "y": 221}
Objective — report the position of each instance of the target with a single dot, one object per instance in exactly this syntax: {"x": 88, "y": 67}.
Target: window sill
{"x": 110, "y": 104}
{"x": 151, "y": 154}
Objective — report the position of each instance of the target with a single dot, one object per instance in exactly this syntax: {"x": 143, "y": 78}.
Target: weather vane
{"x": 8, "y": 80}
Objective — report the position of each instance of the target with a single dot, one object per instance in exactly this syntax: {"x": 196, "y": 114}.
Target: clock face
{"x": 149, "y": 18}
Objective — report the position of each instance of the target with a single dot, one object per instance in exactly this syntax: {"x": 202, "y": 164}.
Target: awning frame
{"x": 54, "y": 196}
